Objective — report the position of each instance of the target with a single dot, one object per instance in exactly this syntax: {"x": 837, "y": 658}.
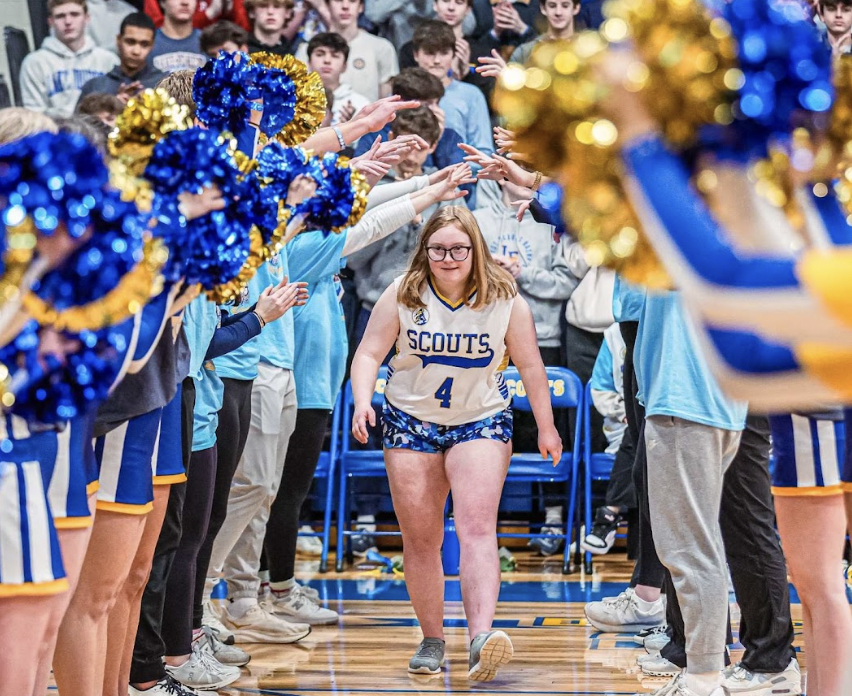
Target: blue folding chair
{"x": 326, "y": 467}
{"x": 566, "y": 391}
{"x": 598, "y": 467}
{"x": 355, "y": 463}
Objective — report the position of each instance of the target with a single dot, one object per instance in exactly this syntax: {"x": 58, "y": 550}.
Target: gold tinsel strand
{"x": 360, "y": 189}
{"x": 124, "y": 300}
{"x": 552, "y": 106}
{"x": 310, "y": 97}
{"x": 230, "y": 291}
{"x": 840, "y": 132}
{"x": 20, "y": 247}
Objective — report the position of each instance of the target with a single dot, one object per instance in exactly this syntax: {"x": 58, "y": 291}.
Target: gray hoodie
{"x": 52, "y": 77}
{"x": 397, "y": 19}
{"x": 545, "y": 281}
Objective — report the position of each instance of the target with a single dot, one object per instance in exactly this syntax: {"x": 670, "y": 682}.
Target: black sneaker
{"x": 600, "y": 540}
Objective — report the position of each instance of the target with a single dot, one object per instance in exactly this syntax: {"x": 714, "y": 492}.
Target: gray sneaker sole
{"x": 620, "y": 628}
{"x": 423, "y": 669}
{"x": 496, "y": 651}
{"x": 665, "y": 672}
{"x": 249, "y": 635}
{"x": 215, "y": 686}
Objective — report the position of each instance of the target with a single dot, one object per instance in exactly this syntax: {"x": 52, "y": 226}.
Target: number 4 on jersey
{"x": 445, "y": 392}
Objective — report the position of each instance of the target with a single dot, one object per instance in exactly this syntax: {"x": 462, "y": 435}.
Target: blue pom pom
{"x": 211, "y": 249}
{"x": 223, "y": 89}
{"x": 331, "y": 205}
{"x": 53, "y": 178}
{"x": 786, "y": 69}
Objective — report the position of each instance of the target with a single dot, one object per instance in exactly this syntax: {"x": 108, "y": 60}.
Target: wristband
{"x": 260, "y": 319}
{"x": 339, "y": 135}
{"x": 536, "y": 182}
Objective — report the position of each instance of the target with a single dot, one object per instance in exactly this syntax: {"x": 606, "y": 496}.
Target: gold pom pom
{"x": 127, "y": 298}
{"x": 310, "y": 97}
{"x": 20, "y": 247}
{"x": 145, "y": 120}
{"x": 360, "y": 189}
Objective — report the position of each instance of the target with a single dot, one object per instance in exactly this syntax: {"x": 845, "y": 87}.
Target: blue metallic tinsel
{"x": 223, "y": 89}
{"x": 331, "y": 205}
{"x": 53, "y": 178}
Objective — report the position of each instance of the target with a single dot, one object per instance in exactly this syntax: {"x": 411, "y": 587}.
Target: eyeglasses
{"x": 457, "y": 253}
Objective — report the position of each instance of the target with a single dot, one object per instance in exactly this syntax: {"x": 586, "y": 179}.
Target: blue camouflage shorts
{"x": 402, "y": 431}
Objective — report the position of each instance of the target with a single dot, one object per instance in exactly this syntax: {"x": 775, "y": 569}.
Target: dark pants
{"x": 581, "y": 351}
{"x": 754, "y": 555}
{"x": 300, "y": 464}
{"x": 620, "y": 491}
{"x": 149, "y": 649}
{"x": 648, "y": 570}
{"x": 178, "y": 609}
{"x": 231, "y": 434}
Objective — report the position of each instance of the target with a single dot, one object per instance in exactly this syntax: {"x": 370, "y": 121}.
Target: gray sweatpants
{"x": 686, "y": 467}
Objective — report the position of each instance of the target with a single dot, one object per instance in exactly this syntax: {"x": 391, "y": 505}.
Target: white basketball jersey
{"x": 447, "y": 368}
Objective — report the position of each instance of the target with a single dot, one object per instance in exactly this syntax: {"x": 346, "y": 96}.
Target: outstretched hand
{"x": 196, "y": 205}
{"x": 378, "y": 114}
{"x": 491, "y": 66}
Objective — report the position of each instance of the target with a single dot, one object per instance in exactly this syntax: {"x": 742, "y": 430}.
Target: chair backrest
{"x": 17, "y": 48}
{"x": 597, "y": 469}
{"x": 349, "y": 404}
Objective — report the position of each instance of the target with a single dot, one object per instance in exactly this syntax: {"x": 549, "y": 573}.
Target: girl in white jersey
{"x": 455, "y": 317}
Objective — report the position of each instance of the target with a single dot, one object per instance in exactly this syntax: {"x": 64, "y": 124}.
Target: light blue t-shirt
{"x": 602, "y": 379}
{"x": 200, "y": 321}
{"x": 319, "y": 325}
{"x": 674, "y": 379}
{"x": 275, "y": 344}
{"x": 466, "y": 112}
{"x": 627, "y": 300}
{"x": 209, "y": 393}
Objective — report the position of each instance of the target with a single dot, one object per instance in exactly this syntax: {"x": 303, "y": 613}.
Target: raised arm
{"x": 381, "y": 334}
{"x": 523, "y": 348}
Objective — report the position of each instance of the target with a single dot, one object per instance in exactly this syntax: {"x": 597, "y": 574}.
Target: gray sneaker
{"x": 488, "y": 652}
{"x": 429, "y": 657}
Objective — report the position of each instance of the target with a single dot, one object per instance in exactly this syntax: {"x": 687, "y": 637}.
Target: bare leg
{"x": 24, "y": 632}
{"x": 124, "y": 617}
{"x": 73, "y": 543}
{"x": 812, "y": 658}
{"x": 802, "y": 520}
{"x": 848, "y": 499}
{"x": 419, "y": 490}
{"x": 476, "y": 471}
{"x": 81, "y": 647}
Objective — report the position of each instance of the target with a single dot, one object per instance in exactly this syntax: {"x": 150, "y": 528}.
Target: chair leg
{"x": 342, "y": 522}
{"x": 326, "y": 528}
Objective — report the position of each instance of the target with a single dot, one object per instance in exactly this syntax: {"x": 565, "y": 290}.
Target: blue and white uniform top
{"x": 449, "y": 360}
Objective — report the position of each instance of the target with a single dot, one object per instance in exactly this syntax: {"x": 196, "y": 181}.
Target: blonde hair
{"x": 17, "y": 122}
{"x": 490, "y": 282}
{"x": 179, "y": 86}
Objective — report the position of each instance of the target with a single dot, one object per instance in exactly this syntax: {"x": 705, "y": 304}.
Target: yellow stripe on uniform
{"x": 806, "y": 491}
{"x": 34, "y": 589}
{"x": 93, "y": 487}
{"x": 168, "y": 479}
{"x": 125, "y": 508}
{"x": 826, "y": 274}
{"x": 73, "y": 522}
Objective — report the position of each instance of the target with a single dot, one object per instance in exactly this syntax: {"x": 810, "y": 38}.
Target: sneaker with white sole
{"x": 258, "y": 625}
{"x": 653, "y": 639}
{"x": 549, "y": 544}
{"x": 622, "y": 614}
{"x": 429, "y": 657}
{"x": 295, "y": 606}
{"x": 203, "y": 672}
{"x": 488, "y": 652}
{"x": 677, "y": 687}
{"x": 739, "y": 680}
{"x": 225, "y": 654}
{"x": 309, "y": 592}
{"x": 308, "y": 545}
{"x": 602, "y": 537}
{"x": 167, "y": 686}
{"x": 658, "y": 666}
{"x": 212, "y": 617}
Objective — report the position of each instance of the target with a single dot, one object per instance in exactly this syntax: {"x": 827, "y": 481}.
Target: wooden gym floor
{"x": 556, "y": 653}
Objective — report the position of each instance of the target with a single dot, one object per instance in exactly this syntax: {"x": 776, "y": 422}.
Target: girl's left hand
{"x": 550, "y": 444}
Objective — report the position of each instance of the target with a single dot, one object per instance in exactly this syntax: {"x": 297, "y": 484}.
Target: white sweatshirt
{"x": 52, "y": 77}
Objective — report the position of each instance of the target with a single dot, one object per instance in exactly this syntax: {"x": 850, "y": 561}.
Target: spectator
{"x": 106, "y": 19}
{"x": 464, "y": 106}
{"x": 398, "y": 18}
{"x": 327, "y": 55}
{"x": 52, "y": 76}
{"x": 837, "y": 17}
{"x": 560, "y": 16}
{"x": 223, "y": 36}
{"x": 372, "y": 61}
{"x": 104, "y": 107}
{"x": 207, "y": 12}
{"x": 17, "y": 122}
{"x": 591, "y": 15}
{"x": 268, "y": 19}
{"x": 515, "y": 23}
{"x": 133, "y": 73}
{"x": 177, "y": 45}
{"x": 90, "y": 127}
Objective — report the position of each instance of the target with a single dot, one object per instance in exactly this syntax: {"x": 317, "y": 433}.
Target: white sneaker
{"x": 677, "y": 687}
{"x": 225, "y": 654}
{"x": 297, "y": 607}
{"x": 309, "y": 592}
{"x": 213, "y": 618}
{"x": 309, "y": 545}
{"x": 739, "y": 680}
{"x": 202, "y": 671}
{"x": 658, "y": 666}
{"x": 259, "y": 626}
{"x": 622, "y": 614}
{"x": 167, "y": 686}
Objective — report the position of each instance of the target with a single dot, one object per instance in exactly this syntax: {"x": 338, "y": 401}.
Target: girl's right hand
{"x": 360, "y": 417}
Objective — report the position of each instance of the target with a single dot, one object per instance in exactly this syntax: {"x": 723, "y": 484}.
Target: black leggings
{"x": 300, "y": 464}
{"x": 178, "y": 609}
{"x": 231, "y": 434}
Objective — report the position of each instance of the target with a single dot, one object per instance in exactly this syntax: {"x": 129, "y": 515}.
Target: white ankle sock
{"x": 283, "y": 588}
{"x": 238, "y": 607}
{"x": 703, "y": 684}
{"x": 553, "y": 515}
{"x": 643, "y": 605}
